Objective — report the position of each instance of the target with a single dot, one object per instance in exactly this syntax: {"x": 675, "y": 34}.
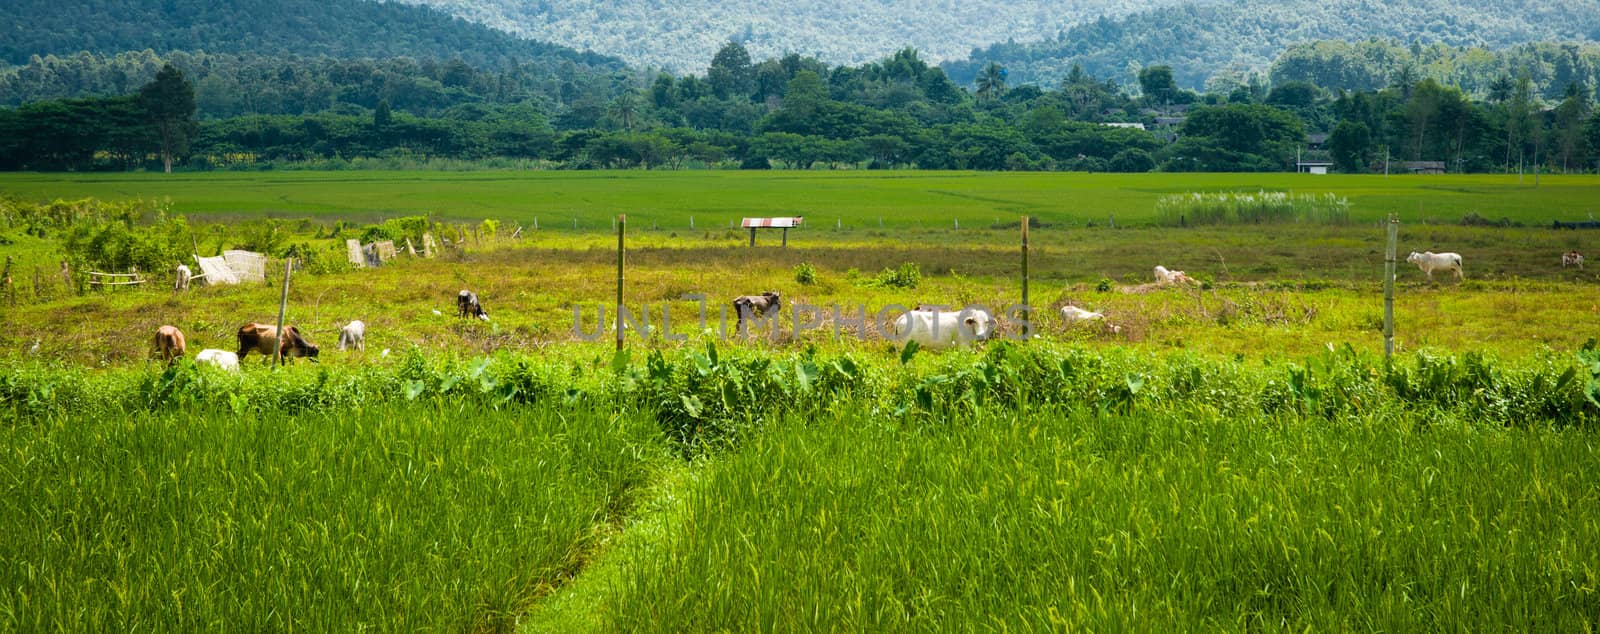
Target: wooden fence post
{"x": 283, "y": 304}
{"x": 622, "y": 224}
{"x": 1027, "y": 312}
{"x": 1388, "y": 289}
{"x": 5, "y": 278}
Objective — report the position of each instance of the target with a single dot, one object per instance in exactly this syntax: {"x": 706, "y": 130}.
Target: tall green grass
{"x": 1164, "y": 519}
{"x": 389, "y": 518}
{"x": 1263, "y": 207}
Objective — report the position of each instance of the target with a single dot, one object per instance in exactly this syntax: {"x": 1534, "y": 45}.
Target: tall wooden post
{"x": 1027, "y": 311}
{"x": 1388, "y": 289}
{"x": 752, "y": 236}
{"x": 283, "y": 303}
{"x": 622, "y": 223}
{"x": 5, "y": 278}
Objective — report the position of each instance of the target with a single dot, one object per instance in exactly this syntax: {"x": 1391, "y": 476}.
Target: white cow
{"x": 1572, "y": 258}
{"x": 1073, "y": 314}
{"x": 939, "y": 329}
{"x": 353, "y": 335}
{"x": 1164, "y": 276}
{"x": 1429, "y": 262}
{"x": 183, "y": 278}
{"x": 221, "y": 359}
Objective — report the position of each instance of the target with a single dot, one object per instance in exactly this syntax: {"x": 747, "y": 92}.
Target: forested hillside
{"x": 1225, "y": 42}
{"x": 338, "y": 28}
{"x": 676, "y": 35}
{"x": 1373, "y": 64}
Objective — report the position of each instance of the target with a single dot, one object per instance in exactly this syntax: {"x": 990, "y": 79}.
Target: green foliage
{"x": 908, "y": 275}
{"x": 805, "y": 273}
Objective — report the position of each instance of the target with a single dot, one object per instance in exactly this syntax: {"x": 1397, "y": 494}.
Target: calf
{"x": 182, "y": 283}
{"x": 467, "y": 305}
{"x": 169, "y": 344}
{"x": 1572, "y": 258}
{"x": 764, "y": 306}
{"x": 353, "y": 335}
{"x": 220, "y": 359}
{"x": 263, "y": 338}
{"x": 1429, "y": 262}
{"x": 940, "y": 329}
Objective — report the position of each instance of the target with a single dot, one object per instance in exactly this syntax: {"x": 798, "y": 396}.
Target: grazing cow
{"x": 353, "y": 335}
{"x": 1572, "y": 258}
{"x": 467, "y": 306}
{"x": 1164, "y": 276}
{"x": 939, "y": 329}
{"x": 169, "y": 344}
{"x": 220, "y": 359}
{"x": 183, "y": 278}
{"x": 764, "y": 305}
{"x": 263, "y": 338}
{"x": 1429, "y": 262}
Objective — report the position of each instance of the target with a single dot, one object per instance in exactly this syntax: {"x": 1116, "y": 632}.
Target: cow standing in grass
{"x": 1572, "y": 258}
{"x": 169, "y": 344}
{"x": 940, "y": 329}
{"x": 353, "y": 335}
{"x": 761, "y": 306}
{"x": 182, "y": 283}
{"x": 467, "y": 305}
{"x": 1429, "y": 262}
{"x": 263, "y": 338}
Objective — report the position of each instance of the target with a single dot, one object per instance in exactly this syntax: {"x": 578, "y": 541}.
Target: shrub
{"x": 804, "y": 273}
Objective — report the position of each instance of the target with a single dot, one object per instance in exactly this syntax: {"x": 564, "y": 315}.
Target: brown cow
{"x": 169, "y": 344}
{"x": 262, "y": 337}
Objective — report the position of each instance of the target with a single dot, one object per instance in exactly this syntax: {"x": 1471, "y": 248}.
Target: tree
{"x": 992, "y": 81}
{"x": 1571, "y": 116}
{"x": 382, "y": 116}
{"x": 731, "y": 74}
{"x": 169, "y": 101}
{"x": 1157, "y": 84}
{"x": 624, "y": 109}
{"x": 1351, "y": 146}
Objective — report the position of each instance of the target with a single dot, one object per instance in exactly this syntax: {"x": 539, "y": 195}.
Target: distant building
{"x": 1423, "y": 167}
{"x": 1135, "y": 126}
{"x": 1316, "y": 141}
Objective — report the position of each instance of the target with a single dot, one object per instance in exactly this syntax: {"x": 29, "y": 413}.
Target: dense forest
{"x": 1227, "y": 41}
{"x": 799, "y": 112}
{"x": 338, "y": 28}
{"x": 675, "y": 35}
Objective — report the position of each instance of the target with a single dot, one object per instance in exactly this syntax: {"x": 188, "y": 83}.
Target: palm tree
{"x": 992, "y": 81}
{"x": 624, "y": 109}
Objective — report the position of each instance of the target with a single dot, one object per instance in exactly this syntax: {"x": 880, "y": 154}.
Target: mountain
{"x": 682, "y": 36}
{"x": 333, "y": 28}
{"x": 1227, "y": 41}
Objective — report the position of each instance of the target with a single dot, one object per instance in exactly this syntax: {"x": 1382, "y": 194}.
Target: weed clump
{"x": 805, "y": 273}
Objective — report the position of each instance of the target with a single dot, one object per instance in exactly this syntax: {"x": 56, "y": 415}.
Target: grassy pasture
{"x": 1221, "y": 463}
{"x": 855, "y": 199}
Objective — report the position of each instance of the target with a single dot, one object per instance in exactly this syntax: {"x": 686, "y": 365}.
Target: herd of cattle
{"x": 929, "y": 328}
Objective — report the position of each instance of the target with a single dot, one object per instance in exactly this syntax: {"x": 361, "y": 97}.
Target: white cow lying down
{"x": 939, "y": 329}
{"x": 1164, "y": 276}
{"x": 1429, "y": 262}
{"x": 221, "y": 359}
{"x": 1073, "y": 314}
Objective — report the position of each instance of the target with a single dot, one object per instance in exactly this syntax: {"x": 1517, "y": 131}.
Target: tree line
{"x": 797, "y": 112}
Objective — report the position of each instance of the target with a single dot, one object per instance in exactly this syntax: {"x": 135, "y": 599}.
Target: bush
{"x": 907, "y": 276}
{"x": 804, "y": 273}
